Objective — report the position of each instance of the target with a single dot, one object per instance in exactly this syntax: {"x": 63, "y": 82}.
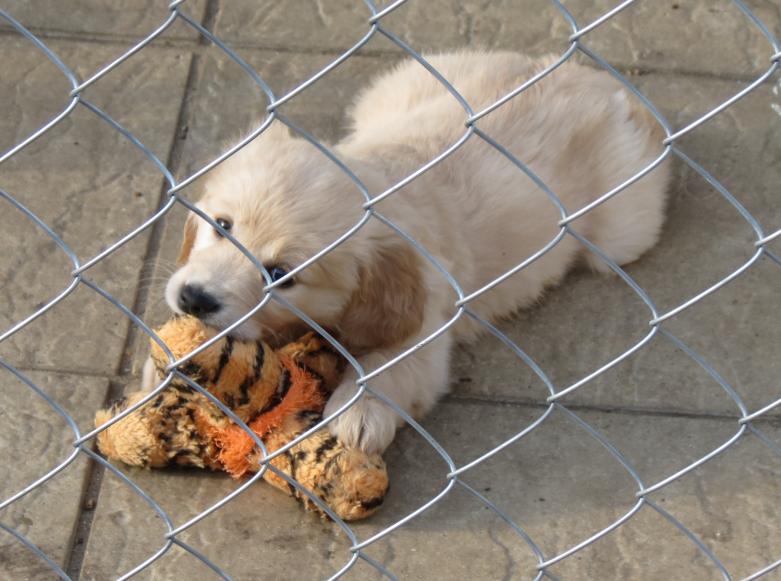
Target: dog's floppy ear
{"x": 387, "y": 306}
{"x": 190, "y": 229}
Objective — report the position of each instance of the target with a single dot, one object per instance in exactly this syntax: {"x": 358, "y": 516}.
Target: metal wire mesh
{"x": 83, "y": 442}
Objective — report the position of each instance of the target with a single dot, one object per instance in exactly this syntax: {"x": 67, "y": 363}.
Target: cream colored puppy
{"x": 476, "y": 213}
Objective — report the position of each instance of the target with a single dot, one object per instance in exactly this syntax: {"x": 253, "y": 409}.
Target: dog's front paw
{"x": 368, "y": 424}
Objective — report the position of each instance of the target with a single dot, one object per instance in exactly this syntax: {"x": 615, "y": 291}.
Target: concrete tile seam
{"x": 626, "y": 410}
{"x": 84, "y": 525}
{"x": 197, "y": 46}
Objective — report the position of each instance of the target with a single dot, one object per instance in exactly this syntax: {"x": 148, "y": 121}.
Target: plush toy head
{"x": 279, "y": 394}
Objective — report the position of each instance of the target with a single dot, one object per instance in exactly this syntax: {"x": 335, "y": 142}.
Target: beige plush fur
{"x": 278, "y": 394}
{"x": 476, "y": 213}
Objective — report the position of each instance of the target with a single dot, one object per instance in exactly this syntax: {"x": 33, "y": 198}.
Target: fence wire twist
{"x": 82, "y": 442}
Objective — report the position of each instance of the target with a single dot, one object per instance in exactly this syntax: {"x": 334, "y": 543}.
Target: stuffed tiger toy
{"x": 278, "y": 394}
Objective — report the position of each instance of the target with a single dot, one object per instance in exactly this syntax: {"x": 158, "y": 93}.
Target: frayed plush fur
{"x": 279, "y": 394}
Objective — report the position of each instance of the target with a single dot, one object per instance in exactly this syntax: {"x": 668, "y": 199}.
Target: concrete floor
{"x": 186, "y": 100}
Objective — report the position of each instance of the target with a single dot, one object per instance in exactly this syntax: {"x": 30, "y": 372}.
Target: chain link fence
{"x": 83, "y": 443}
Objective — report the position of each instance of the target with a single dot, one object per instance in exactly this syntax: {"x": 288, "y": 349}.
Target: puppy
{"x": 476, "y": 213}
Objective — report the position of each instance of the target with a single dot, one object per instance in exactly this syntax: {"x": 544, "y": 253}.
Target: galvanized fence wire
{"x": 83, "y": 442}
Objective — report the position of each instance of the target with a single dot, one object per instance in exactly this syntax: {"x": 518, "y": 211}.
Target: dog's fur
{"x": 475, "y": 212}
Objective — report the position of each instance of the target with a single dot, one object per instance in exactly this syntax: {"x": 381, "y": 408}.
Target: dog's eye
{"x": 277, "y": 272}
{"x": 223, "y": 223}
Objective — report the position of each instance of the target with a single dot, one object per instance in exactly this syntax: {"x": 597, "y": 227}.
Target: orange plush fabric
{"x": 235, "y": 443}
{"x": 279, "y": 394}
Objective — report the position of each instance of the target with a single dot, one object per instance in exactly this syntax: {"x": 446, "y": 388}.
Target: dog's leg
{"x": 415, "y": 384}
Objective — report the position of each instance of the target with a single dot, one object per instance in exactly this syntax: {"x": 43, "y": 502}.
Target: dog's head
{"x": 284, "y": 202}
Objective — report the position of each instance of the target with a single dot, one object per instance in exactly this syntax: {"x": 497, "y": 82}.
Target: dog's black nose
{"x": 195, "y": 301}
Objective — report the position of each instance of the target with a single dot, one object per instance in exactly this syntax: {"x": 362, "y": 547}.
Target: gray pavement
{"x": 186, "y": 101}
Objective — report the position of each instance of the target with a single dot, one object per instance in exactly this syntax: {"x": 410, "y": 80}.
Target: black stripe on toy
{"x": 284, "y": 384}
{"x": 257, "y": 370}
{"x": 225, "y": 355}
{"x": 325, "y": 347}
{"x": 329, "y": 444}
{"x": 293, "y": 464}
{"x": 282, "y": 388}
{"x": 373, "y": 503}
{"x": 294, "y": 492}
{"x": 315, "y": 375}
{"x": 309, "y": 418}
{"x": 192, "y": 370}
{"x": 229, "y": 400}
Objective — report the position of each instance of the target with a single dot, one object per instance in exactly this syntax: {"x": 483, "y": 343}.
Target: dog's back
{"x": 577, "y": 129}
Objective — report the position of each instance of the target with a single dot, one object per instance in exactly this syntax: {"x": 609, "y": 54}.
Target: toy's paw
{"x": 368, "y": 424}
